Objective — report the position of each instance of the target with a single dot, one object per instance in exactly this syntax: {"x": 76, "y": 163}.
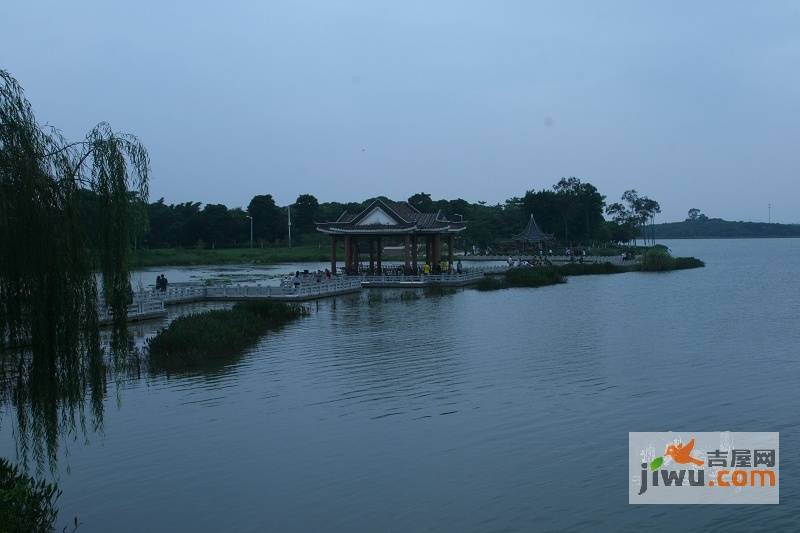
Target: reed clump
{"x": 201, "y": 338}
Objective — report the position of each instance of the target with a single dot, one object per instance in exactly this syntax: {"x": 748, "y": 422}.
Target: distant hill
{"x": 721, "y": 229}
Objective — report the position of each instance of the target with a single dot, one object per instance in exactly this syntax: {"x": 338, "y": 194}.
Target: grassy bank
{"x": 654, "y": 260}
{"x": 200, "y": 256}
{"x": 658, "y": 259}
{"x": 522, "y": 277}
{"x": 203, "y": 338}
{"x": 586, "y": 269}
{"x": 143, "y": 258}
{"x": 25, "y": 503}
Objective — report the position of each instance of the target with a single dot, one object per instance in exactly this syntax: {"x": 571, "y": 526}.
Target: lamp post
{"x": 251, "y": 231}
{"x": 289, "y": 208}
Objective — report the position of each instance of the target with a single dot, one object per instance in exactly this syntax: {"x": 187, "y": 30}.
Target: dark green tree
{"x": 421, "y": 201}
{"x": 304, "y": 213}
{"x": 269, "y": 220}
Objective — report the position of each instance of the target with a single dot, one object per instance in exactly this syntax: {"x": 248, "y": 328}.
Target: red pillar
{"x": 414, "y": 252}
{"x": 348, "y": 254}
{"x": 371, "y": 254}
{"x": 333, "y": 254}
{"x": 450, "y": 251}
{"x": 437, "y": 251}
{"x": 428, "y": 249}
{"x": 407, "y": 253}
{"x": 380, "y": 253}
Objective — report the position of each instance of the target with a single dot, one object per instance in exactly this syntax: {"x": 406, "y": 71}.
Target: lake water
{"x": 466, "y": 411}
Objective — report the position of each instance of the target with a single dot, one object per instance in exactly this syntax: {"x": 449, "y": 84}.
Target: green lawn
{"x": 222, "y": 256}
{"x": 226, "y": 256}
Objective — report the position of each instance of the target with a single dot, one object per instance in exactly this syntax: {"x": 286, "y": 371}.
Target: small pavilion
{"x": 386, "y": 222}
{"x": 532, "y": 234}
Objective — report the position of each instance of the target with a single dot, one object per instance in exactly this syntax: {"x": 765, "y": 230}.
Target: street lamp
{"x": 251, "y": 231}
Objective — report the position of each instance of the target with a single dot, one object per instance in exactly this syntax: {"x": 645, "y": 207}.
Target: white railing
{"x": 135, "y": 310}
{"x": 425, "y": 279}
{"x": 307, "y": 288}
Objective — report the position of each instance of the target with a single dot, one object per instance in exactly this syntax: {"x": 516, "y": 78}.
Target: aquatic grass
{"x": 522, "y": 277}
{"x": 680, "y": 263}
{"x": 533, "y": 277}
{"x": 584, "y": 269}
{"x": 658, "y": 259}
{"x": 201, "y": 338}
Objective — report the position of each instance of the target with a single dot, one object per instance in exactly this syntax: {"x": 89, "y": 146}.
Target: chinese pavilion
{"x": 384, "y": 220}
{"x": 532, "y": 233}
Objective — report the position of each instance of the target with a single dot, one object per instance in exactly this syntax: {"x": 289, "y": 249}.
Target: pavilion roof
{"x": 532, "y": 233}
{"x": 384, "y": 216}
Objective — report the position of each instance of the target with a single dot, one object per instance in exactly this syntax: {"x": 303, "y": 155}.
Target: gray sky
{"x": 696, "y": 104}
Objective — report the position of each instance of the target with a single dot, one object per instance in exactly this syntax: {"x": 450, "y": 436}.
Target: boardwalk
{"x": 152, "y": 303}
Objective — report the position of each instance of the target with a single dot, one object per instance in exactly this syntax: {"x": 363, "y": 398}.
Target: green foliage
{"x": 270, "y": 222}
{"x": 658, "y": 259}
{"x": 68, "y": 210}
{"x": 522, "y": 277}
{"x": 25, "y": 504}
{"x": 679, "y": 263}
{"x": 202, "y": 338}
{"x": 304, "y": 213}
{"x": 533, "y": 277}
{"x": 47, "y": 258}
{"x": 200, "y": 256}
{"x": 582, "y": 269}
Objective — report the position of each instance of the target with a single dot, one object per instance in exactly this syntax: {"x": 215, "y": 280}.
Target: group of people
{"x": 535, "y": 261}
{"x": 317, "y": 276}
{"x": 444, "y": 267}
{"x": 161, "y": 283}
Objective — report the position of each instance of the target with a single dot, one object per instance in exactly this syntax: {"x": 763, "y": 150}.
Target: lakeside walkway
{"x": 152, "y": 303}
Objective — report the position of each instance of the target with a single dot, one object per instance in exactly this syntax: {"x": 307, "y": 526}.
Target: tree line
{"x": 572, "y": 210}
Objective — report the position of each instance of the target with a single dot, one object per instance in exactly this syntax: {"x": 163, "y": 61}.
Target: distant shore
{"x": 717, "y": 228}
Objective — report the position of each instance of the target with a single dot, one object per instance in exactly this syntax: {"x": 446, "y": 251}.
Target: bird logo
{"x": 682, "y": 453}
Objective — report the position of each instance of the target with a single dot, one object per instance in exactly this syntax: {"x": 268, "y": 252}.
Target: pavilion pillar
{"x": 407, "y": 254}
{"x": 450, "y": 251}
{"x": 380, "y": 254}
{"x": 437, "y": 251}
{"x": 414, "y": 253}
{"x": 333, "y": 255}
{"x": 348, "y": 254}
{"x": 371, "y": 255}
{"x": 356, "y": 253}
{"x": 428, "y": 247}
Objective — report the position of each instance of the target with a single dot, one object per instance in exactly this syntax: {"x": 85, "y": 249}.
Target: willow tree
{"x": 49, "y": 292}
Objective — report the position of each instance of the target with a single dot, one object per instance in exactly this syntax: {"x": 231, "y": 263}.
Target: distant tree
{"x": 304, "y": 212}
{"x": 214, "y": 226}
{"x": 421, "y": 201}
{"x": 269, "y": 220}
{"x": 635, "y": 213}
{"x": 695, "y": 215}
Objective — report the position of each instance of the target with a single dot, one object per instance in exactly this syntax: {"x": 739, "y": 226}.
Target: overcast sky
{"x": 695, "y": 104}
